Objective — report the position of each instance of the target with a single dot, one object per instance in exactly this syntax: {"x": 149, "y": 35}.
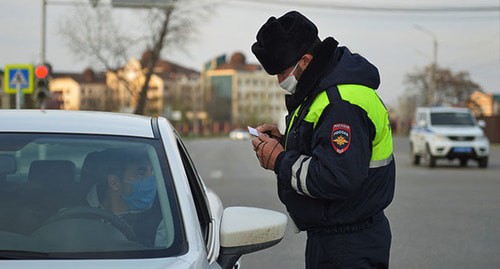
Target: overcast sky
{"x": 467, "y": 41}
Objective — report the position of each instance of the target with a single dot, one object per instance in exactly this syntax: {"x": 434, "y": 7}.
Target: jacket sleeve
{"x": 341, "y": 153}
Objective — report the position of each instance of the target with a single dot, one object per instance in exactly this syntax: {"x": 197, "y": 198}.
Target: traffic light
{"x": 42, "y": 92}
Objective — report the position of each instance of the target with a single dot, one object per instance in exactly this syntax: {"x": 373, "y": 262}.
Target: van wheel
{"x": 432, "y": 161}
{"x": 415, "y": 159}
{"x": 463, "y": 162}
{"x": 483, "y": 162}
{"x": 430, "y": 158}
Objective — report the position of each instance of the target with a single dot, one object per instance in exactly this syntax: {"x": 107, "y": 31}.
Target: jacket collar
{"x": 326, "y": 56}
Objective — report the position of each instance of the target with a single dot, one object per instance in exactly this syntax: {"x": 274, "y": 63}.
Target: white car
{"x": 448, "y": 133}
{"x": 239, "y": 134}
{"x": 50, "y": 161}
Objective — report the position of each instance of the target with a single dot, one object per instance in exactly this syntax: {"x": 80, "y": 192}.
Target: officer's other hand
{"x": 267, "y": 150}
{"x": 269, "y": 129}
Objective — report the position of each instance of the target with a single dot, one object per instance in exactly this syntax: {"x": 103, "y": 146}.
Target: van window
{"x": 452, "y": 118}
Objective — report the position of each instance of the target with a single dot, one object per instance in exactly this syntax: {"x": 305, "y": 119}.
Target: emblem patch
{"x": 341, "y": 137}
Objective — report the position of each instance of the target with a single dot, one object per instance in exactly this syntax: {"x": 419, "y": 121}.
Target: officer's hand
{"x": 269, "y": 129}
{"x": 267, "y": 150}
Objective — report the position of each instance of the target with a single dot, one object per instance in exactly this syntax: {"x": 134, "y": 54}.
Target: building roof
{"x": 167, "y": 69}
{"x": 88, "y": 76}
{"x": 170, "y": 70}
{"x": 237, "y": 61}
{"x": 240, "y": 67}
{"x": 164, "y": 69}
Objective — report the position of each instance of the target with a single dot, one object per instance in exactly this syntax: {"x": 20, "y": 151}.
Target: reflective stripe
{"x": 380, "y": 163}
{"x": 301, "y": 164}
{"x": 368, "y": 100}
{"x": 303, "y": 177}
{"x": 316, "y": 109}
{"x": 290, "y": 125}
{"x": 296, "y": 166}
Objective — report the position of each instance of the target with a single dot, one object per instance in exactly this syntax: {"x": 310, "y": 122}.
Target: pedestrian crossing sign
{"x": 18, "y": 76}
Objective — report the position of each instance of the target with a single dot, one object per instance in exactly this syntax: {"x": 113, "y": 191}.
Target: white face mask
{"x": 289, "y": 84}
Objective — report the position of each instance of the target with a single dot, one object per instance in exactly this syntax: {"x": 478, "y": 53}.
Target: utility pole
{"x": 42, "y": 32}
{"x": 433, "y": 85}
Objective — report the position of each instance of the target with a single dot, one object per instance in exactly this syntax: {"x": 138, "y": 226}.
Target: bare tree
{"x": 407, "y": 104}
{"x": 455, "y": 88}
{"x": 92, "y": 33}
{"x": 451, "y": 88}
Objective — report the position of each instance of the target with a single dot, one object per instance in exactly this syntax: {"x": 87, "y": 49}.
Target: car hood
{"x": 457, "y": 130}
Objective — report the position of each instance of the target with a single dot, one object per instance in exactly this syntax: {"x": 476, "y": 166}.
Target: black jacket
{"x": 320, "y": 186}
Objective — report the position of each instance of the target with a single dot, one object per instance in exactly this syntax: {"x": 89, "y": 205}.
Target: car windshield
{"x": 86, "y": 196}
{"x": 452, "y": 118}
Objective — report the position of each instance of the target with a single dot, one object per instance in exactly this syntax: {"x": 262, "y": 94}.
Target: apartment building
{"x": 241, "y": 93}
{"x": 79, "y": 91}
{"x": 181, "y": 91}
{"x": 126, "y": 84}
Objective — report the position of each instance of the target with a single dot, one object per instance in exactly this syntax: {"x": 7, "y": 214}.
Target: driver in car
{"x": 128, "y": 189}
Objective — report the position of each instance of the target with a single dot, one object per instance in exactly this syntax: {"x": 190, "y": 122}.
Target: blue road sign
{"x": 18, "y": 75}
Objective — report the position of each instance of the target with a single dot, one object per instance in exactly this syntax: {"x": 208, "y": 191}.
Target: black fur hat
{"x": 282, "y": 41}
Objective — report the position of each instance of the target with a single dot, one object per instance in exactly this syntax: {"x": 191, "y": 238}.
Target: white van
{"x": 448, "y": 133}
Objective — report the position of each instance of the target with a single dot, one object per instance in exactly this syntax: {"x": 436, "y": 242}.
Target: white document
{"x": 253, "y": 131}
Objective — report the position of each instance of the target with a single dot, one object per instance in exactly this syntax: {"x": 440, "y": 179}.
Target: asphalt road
{"x": 443, "y": 217}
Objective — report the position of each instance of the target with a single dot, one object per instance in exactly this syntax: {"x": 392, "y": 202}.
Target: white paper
{"x": 253, "y": 131}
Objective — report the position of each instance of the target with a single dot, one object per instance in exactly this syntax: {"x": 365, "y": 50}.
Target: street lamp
{"x": 433, "y": 86}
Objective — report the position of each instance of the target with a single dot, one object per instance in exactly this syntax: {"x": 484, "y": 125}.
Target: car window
{"x": 452, "y": 118}
{"x": 57, "y": 197}
{"x": 198, "y": 191}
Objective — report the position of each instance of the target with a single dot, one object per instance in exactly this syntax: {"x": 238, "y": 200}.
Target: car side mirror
{"x": 481, "y": 123}
{"x": 248, "y": 229}
{"x": 421, "y": 123}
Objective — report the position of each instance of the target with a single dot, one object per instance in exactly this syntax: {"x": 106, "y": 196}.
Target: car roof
{"x": 81, "y": 122}
{"x": 444, "y": 109}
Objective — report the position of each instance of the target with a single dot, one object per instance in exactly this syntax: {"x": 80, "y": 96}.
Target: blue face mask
{"x": 143, "y": 193}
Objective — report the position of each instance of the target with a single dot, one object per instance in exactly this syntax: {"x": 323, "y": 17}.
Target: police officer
{"x": 334, "y": 164}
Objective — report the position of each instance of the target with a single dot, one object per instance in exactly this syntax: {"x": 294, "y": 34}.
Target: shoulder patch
{"x": 341, "y": 137}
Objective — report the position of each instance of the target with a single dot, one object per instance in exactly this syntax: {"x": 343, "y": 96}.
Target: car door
{"x": 208, "y": 206}
{"x": 420, "y": 130}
